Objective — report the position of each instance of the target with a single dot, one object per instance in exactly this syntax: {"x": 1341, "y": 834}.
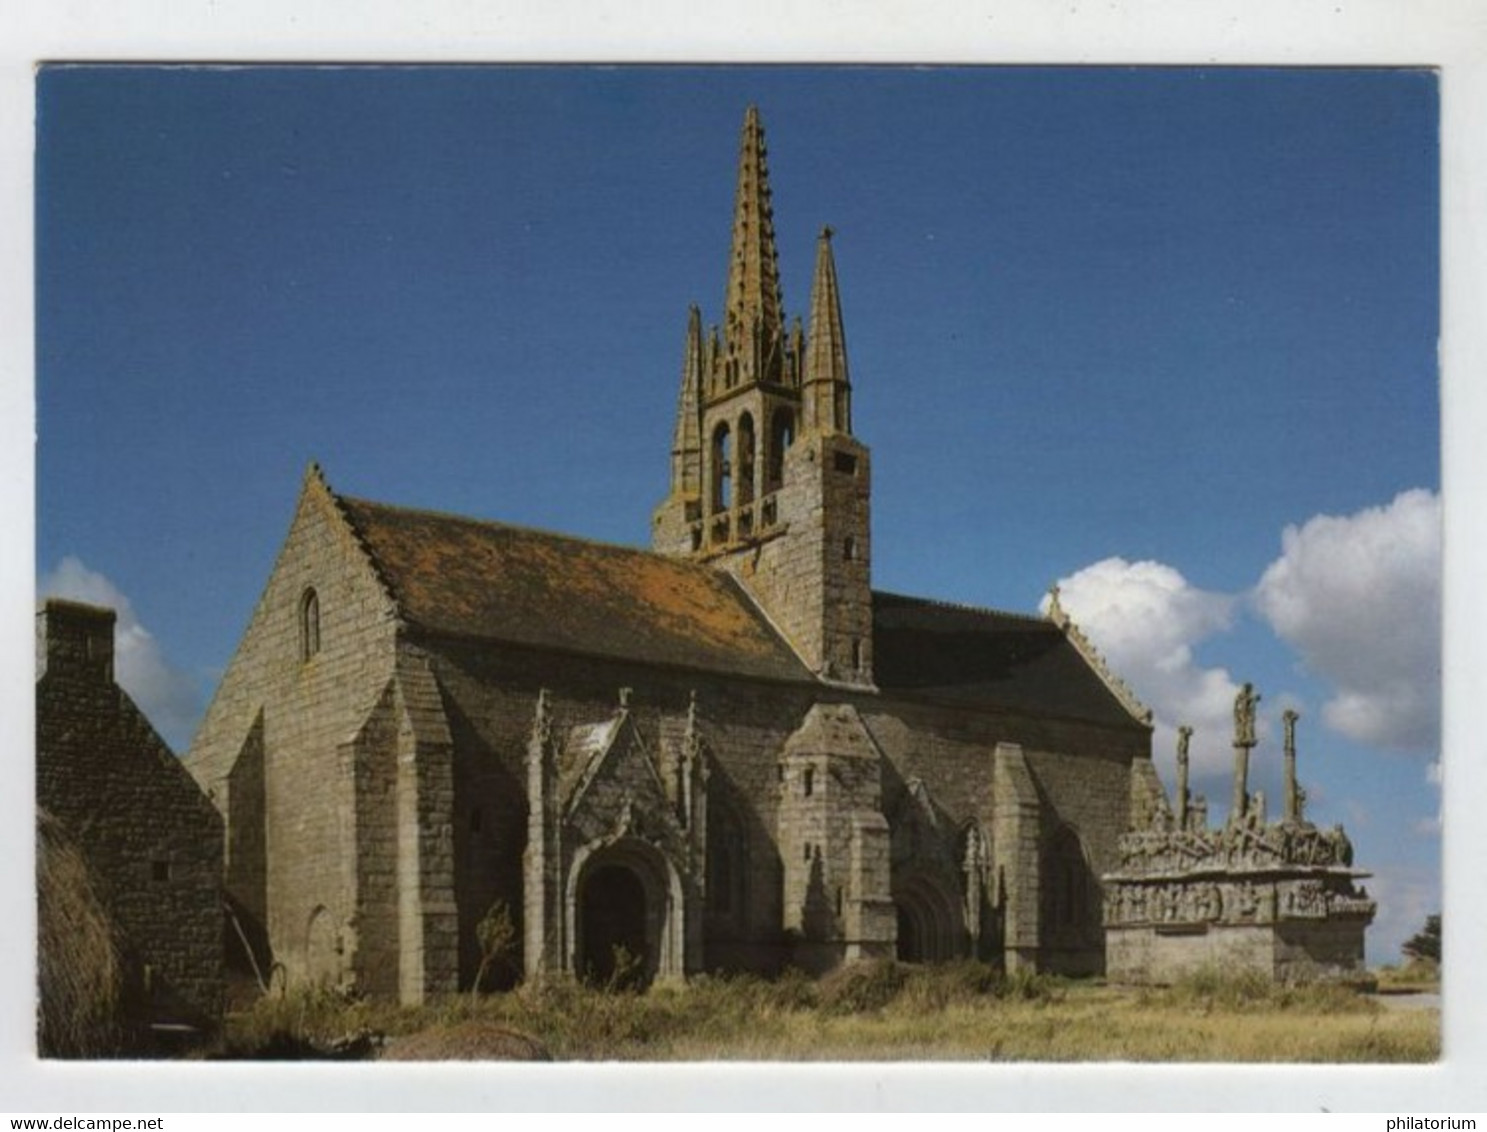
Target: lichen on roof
{"x": 476, "y": 578}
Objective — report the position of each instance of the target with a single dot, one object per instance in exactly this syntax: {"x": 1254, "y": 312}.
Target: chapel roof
{"x": 476, "y": 578}
{"x": 987, "y": 658}
{"x": 483, "y": 579}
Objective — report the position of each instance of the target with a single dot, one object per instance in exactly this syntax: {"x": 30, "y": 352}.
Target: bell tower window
{"x": 745, "y": 459}
{"x": 722, "y": 470}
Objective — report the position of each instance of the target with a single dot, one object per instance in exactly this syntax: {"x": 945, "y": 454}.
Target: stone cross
{"x": 1293, "y": 795}
{"x": 1184, "y": 737}
{"x": 1244, "y": 740}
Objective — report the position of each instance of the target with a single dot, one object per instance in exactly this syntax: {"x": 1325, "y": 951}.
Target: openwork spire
{"x": 828, "y": 392}
{"x": 753, "y": 323}
{"x": 686, "y": 441}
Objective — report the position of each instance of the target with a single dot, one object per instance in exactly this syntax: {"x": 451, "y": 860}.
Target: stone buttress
{"x": 834, "y": 841}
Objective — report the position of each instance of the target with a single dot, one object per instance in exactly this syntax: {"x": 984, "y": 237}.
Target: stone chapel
{"x": 727, "y": 752}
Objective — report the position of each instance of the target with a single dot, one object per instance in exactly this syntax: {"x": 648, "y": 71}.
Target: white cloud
{"x": 165, "y": 694}
{"x": 1406, "y": 894}
{"x": 1359, "y": 598}
{"x": 1431, "y": 826}
{"x": 1145, "y": 617}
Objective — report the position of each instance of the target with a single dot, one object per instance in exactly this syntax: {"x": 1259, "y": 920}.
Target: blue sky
{"x": 1121, "y": 328}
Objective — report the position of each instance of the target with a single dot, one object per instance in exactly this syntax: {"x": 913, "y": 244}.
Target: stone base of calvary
{"x": 1280, "y": 898}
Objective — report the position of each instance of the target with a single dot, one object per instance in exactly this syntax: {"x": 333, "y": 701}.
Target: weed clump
{"x": 858, "y": 988}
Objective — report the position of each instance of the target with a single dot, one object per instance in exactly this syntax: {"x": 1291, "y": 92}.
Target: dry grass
{"x": 963, "y": 1012}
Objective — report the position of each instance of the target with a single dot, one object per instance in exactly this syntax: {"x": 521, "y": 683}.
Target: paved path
{"x": 1431, "y": 1001}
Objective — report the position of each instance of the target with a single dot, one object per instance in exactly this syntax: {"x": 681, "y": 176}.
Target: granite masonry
{"x": 727, "y": 752}
{"x": 150, "y": 838}
{"x": 1279, "y": 898}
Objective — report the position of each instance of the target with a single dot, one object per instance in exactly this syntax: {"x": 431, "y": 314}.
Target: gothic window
{"x": 781, "y": 436}
{"x": 808, "y": 781}
{"x": 746, "y": 453}
{"x": 309, "y": 625}
{"x": 722, "y": 470}
{"x": 1067, "y": 885}
{"x": 726, "y": 871}
{"x": 856, "y": 654}
{"x": 849, "y": 549}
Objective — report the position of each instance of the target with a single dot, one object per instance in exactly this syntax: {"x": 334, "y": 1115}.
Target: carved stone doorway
{"x": 624, "y": 910}
{"x": 929, "y": 929}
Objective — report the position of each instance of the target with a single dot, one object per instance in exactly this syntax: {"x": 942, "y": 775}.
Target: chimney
{"x": 75, "y": 639}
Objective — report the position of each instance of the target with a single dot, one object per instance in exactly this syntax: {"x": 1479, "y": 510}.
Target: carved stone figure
{"x": 1292, "y": 798}
{"x": 1184, "y": 737}
{"x": 1244, "y": 716}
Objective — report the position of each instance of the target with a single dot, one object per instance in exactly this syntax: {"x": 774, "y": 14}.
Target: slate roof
{"x": 982, "y": 657}
{"x": 468, "y": 577}
{"x": 474, "y": 578}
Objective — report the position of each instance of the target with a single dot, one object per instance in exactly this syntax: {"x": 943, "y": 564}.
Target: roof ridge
{"x": 316, "y": 474}
{"x": 943, "y": 603}
{"x": 521, "y": 528}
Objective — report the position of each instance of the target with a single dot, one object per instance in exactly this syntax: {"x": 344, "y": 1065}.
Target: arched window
{"x": 309, "y": 624}
{"x": 746, "y": 459}
{"x": 781, "y": 436}
{"x": 1068, "y": 888}
{"x": 727, "y": 870}
{"x": 722, "y": 470}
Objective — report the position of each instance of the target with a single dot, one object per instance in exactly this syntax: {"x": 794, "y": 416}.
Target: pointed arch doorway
{"x": 930, "y": 928}
{"x": 623, "y": 904}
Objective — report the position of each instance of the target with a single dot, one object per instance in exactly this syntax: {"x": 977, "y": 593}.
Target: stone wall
{"x": 305, "y": 709}
{"x": 393, "y": 772}
{"x": 812, "y": 578}
{"x": 150, "y": 836}
{"x": 1286, "y": 952}
{"x": 491, "y": 695}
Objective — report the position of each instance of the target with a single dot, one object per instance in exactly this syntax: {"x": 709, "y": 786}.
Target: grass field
{"x": 881, "y": 1011}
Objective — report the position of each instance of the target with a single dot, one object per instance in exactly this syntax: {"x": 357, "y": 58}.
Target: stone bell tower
{"x": 767, "y": 480}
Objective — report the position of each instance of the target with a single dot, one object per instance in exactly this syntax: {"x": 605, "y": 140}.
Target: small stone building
{"x": 727, "y": 752}
{"x": 1279, "y": 898}
{"x": 151, "y": 839}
